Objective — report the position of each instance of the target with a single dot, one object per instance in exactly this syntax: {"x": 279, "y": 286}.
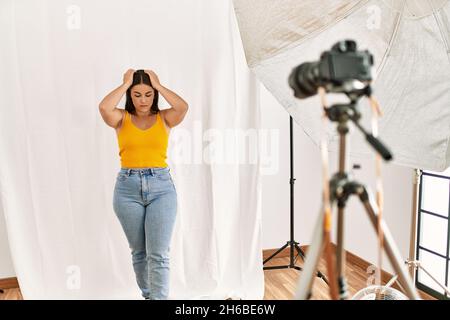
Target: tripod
{"x": 341, "y": 187}
{"x": 292, "y": 244}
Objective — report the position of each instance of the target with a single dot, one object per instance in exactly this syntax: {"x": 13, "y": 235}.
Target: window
{"x": 433, "y": 236}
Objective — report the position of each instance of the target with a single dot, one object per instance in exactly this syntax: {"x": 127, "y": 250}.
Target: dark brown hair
{"x": 140, "y": 77}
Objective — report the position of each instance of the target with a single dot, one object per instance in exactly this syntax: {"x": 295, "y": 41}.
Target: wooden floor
{"x": 280, "y": 284}
{"x": 11, "y": 294}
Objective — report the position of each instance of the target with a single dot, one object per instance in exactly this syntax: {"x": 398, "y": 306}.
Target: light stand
{"x": 292, "y": 244}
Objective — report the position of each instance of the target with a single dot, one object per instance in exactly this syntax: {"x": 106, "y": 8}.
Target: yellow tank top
{"x": 143, "y": 148}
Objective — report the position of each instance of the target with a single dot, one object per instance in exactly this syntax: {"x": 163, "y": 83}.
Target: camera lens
{"x": 304, "y": 80}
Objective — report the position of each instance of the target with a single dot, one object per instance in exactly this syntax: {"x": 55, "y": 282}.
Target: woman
{"x": 145, "y": 198}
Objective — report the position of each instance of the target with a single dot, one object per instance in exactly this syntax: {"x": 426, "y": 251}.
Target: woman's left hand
{"x": 154, "y": 79}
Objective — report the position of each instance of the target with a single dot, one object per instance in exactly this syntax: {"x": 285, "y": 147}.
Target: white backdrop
{"x": 58, "y": 160}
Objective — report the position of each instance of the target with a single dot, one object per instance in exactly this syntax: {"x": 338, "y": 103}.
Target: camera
{"x": 343, "y": 69}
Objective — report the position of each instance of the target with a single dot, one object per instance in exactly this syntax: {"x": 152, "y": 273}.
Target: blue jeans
{"x": 145, "y": 202}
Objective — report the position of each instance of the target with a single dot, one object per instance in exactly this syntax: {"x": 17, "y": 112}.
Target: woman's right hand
{"x": 128, "y": 77}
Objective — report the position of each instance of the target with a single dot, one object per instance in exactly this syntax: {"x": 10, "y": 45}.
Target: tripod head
{"x": 342, "y": 113}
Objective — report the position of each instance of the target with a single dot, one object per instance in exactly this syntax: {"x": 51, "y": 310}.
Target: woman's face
{"x": 142, "y": 96}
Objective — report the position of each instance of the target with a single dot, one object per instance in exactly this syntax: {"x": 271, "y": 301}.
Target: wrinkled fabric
{"x": 58, "y": 159}
{"x": 410, "y": 41}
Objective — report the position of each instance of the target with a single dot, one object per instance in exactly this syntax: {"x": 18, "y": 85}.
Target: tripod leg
{"x": 340, "y": 255}
{"x": 273, "y": 255}
{"x": 302, "y": 254}
{"x": 391, "y": 249}
{"x": 312, "y": 261}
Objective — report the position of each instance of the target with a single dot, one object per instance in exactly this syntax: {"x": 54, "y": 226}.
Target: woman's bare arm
{"x": 176, "y": 114}
{"x": 108, "y": 106}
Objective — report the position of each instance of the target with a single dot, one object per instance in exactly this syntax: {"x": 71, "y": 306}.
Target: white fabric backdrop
{"x": 59, "y": 160}
{"x": 410, "y": 40}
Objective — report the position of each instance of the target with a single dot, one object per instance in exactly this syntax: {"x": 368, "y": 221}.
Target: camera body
{"x": 343, "y": 69}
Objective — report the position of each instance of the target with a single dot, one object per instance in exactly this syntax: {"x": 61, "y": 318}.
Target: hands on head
{"x": 128, "y": 78}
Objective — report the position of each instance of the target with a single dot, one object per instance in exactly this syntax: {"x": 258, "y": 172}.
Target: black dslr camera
{"x": 343, "y": 69}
